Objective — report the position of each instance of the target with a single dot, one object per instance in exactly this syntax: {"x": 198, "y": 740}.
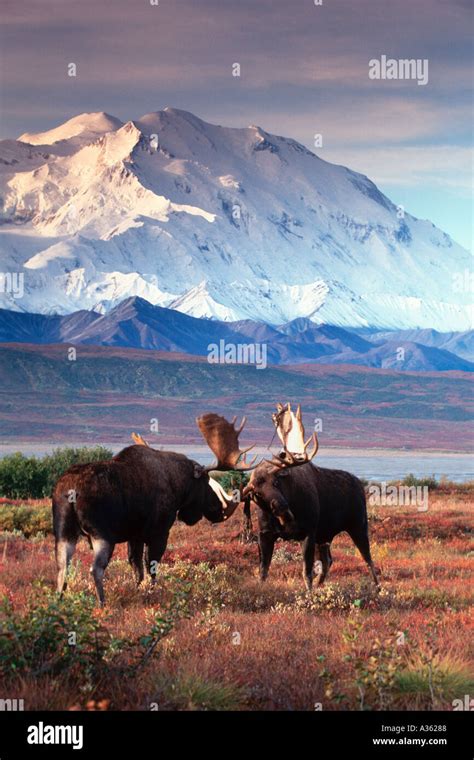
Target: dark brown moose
{"x": 298, "y": 501}
{"x": 137, "y": 495}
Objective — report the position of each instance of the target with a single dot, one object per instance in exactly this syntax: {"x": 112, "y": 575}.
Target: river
{"x": 376, "y": 464}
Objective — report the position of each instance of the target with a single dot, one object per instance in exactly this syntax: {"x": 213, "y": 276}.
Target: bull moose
{"x": 137, "y": 495}
{"x": 298, "y": 501}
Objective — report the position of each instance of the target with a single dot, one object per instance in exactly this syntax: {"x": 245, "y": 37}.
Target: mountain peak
{"x": 172, "y": 111}
{"x": 217, "y": 222}
{"x": 298, "y": 325}
{"x": 94, "y": 123}
{"x": 171, "y": 114}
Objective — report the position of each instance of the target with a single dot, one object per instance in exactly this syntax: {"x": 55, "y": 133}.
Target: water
{"x": 455, "y": 467}
{"x": 377, "y": 464}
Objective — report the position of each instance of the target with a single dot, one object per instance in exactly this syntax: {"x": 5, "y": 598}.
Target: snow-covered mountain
{"x": 215, "y": 222}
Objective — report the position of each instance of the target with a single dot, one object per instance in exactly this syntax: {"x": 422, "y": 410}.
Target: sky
{"x": 304, "y": 71}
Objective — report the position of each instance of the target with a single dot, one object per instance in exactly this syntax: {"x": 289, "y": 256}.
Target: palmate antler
{"x": 289, "y": 427}
{"x": 291, "y": 460}
{"x": 222, "y": 437}
{"x": 290, "y": 430}
{"x": 139, "y": 441}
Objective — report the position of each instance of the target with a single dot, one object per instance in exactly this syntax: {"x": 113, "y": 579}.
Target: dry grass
{"x": 247, "y": 645}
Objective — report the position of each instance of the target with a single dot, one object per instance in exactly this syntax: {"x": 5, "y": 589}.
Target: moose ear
{"x": 198, "y": 471}
{"x": 279, "y": 407}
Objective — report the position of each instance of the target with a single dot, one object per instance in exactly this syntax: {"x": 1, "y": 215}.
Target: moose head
{"x": 265, "y": 487}
{"x": 208, "y": 497}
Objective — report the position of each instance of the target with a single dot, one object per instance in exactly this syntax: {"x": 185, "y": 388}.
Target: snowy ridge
{"x": 215, "y": 222}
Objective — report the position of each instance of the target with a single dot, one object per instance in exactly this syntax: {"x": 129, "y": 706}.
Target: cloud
{"x": 441, "y": 166}
{"x": 369, "y": 121}
{"x": 304, "y": 70}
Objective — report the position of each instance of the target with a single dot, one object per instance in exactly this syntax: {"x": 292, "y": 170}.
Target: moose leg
{"x": 247, "y": 532}
{"x": 325, "y": 557}
{"x": 103, "y": 551}
{"x": 135, "y": 558}
{"x": 147, "y": 559}
{"x": 155, "y": 550}
{"x": 266, "y": 544}
{"x": 65, "y": 549}
{"x": 309, "y": 550}
{"x": 361, "y": 540}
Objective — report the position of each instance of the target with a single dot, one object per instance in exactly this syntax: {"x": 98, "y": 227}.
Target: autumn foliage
{"x": 210, "y": 636}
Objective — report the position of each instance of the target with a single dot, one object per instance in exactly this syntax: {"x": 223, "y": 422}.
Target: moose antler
{"x": 290, "y": 430}
{"x": 290, "y": 460}
{"x": 222, "y": 437}
{"x": 137, "y": 438}
{"x": 289, "y": 427}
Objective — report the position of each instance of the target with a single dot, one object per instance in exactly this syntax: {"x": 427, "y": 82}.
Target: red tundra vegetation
{"x": 210, "y": 636}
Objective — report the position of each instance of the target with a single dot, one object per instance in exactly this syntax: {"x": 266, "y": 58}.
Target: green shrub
{"x": 451, "y": 485}
{"x": 24, "y": 477}
{"x": 334, "y": 597}
{"x": 231, "y": 480}
{"x": 55, "y": 635}
{"x": 448, "y": 678}
{"x": 211, "y": 588}
{"x": 193, "y": 692}
{"x": 61, "y": 459}
{"x": 412, "y": 480}
{"x": 27, "y": 519}
{"x": 41, "y": 641}
{"x": 374, "y": 672}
